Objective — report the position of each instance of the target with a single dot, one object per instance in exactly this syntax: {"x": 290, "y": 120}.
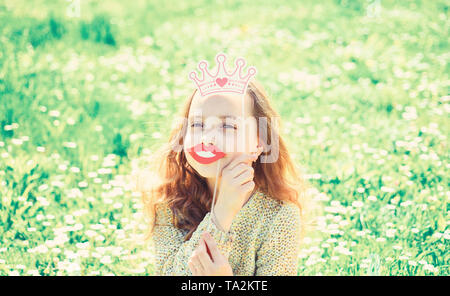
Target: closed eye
{"x": 197, "y": 124}
{"x": 230, "y": 126}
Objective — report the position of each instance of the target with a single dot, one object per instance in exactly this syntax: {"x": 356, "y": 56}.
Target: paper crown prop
{"x": 222, "y": 81}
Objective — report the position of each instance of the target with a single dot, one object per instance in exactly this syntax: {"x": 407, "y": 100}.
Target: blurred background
{"x": 88, "y": 89}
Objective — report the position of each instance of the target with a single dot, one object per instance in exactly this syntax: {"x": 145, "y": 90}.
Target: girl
{"x": 256, "y": 224}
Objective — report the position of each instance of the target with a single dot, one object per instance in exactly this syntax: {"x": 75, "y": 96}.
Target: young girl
{"x": 256, "y": 224}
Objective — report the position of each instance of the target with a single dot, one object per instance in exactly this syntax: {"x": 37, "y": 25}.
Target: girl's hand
{"x": 200, "y": 262}
{"x": 236, "y": 182}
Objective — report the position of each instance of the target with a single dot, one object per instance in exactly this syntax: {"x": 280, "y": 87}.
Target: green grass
{"x": 364, "y": 102}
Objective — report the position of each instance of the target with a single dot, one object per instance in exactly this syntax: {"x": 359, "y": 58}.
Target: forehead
{"x": 221, "y": 104}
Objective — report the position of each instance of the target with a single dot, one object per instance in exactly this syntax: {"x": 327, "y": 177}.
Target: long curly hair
{"x": 173, "y": 181}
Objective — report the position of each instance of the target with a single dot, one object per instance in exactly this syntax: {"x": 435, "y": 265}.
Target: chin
{"x": 205, "y": 172}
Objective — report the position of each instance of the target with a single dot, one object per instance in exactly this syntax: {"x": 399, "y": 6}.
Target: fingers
{"x": 242, "y": 169}
{"x": 200, "y": 262}
{"x": 245, "y": 176}
{"x": 248, "y": 186}
{"x": 203, "y": 256}
{"x": 241, "y": 162}
{"x": 192, "y": 267}
{"x": 197, "y": 264}
{"x": 246, "y": 157}
{"x": 215, "y": 253}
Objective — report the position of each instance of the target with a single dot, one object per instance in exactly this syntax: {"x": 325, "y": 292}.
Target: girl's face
{"x": 216, "y": 122}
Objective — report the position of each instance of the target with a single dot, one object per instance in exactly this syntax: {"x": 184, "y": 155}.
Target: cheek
{"x": 189, "y": 158}
{"x": 191, "y": 139}
{"x": 230, "y": 142}
{"x": 243, "y": 142}
{"x": 252, "y": 136}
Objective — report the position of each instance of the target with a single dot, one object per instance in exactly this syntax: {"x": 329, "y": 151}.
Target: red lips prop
{"x": 205, "y": 154}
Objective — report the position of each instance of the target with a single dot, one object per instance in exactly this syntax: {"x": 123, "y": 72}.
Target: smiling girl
{"x": 257, "y": 222}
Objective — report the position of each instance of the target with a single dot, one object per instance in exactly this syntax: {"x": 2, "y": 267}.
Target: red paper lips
{"x": 205, "y": 154}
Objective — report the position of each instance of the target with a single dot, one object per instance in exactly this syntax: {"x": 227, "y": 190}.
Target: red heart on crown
{"x": 222, "y": 81}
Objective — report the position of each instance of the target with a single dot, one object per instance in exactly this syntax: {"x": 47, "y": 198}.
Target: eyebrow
{"x": 221, "y": 117}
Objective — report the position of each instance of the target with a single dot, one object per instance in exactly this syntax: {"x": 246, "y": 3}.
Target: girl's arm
{"x": 278, "y": 254}
{"x": 172, "y": 252}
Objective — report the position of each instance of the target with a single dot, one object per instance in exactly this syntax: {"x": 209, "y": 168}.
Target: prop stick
{"x": 215, "y": 185}
{"x": 214, "y": 202}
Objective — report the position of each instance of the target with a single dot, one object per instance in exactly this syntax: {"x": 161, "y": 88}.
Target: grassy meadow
{"x": 88, "y": 89}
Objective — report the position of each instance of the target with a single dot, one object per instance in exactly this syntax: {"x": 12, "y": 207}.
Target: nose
{"x": 209, "y": 137}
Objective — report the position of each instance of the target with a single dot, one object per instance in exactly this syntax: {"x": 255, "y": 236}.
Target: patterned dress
{"x": 263, "y": 239}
